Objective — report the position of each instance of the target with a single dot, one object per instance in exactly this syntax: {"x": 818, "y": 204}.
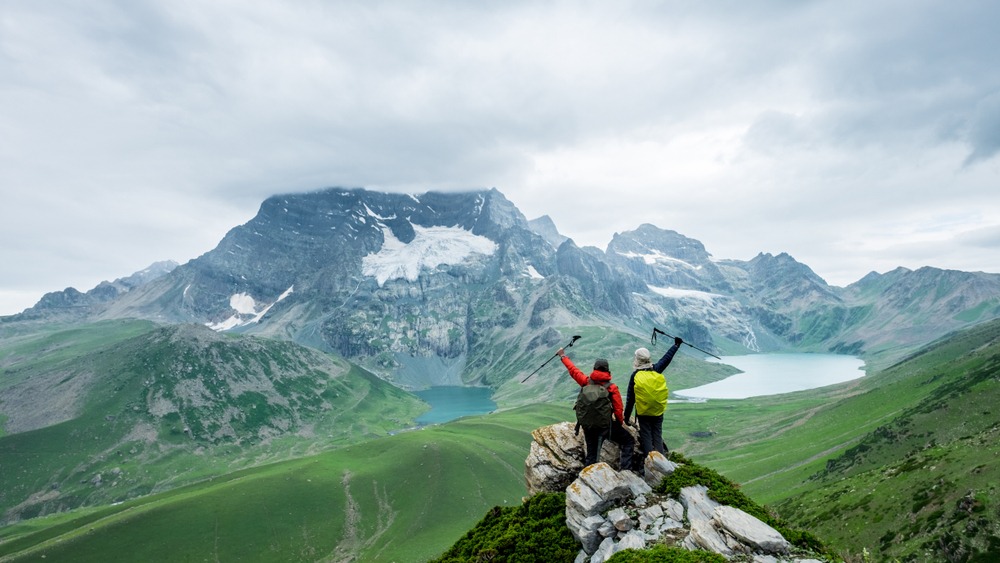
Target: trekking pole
{"x": 652, "y": 341}
{"x": 570, "y": 345}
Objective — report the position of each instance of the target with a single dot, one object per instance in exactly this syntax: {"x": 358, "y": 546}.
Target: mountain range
{"x": 430, "y": 289}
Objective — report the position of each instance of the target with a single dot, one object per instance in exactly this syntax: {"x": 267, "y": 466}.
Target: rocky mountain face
{"x": 439, "y": 288}
{"x": 71, "y": 299}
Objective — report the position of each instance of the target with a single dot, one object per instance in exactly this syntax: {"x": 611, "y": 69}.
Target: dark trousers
{"x": 617, "y": 433}
{"x": 650, "y": 435}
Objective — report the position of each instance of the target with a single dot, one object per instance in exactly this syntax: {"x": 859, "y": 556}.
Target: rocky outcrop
{"x": 556, "y": 457}
{"x": 608, "y": 510}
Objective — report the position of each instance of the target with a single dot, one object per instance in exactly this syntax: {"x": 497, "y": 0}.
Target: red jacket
{"x": 599, "y": 377}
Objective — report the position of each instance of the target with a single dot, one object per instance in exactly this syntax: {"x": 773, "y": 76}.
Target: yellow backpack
{"x": 650, "y": 393}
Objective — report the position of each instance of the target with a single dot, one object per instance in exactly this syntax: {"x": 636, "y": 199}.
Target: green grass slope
{"x": 899, "y": 462}
{"x": 902, "y": 457}
{"x": 405, "y": 497}
{"x": 103, "y": 413}
{"x": 923, "y": 484}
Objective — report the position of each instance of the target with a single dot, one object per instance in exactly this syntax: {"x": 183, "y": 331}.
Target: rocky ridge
{"x": 608, "y": 510}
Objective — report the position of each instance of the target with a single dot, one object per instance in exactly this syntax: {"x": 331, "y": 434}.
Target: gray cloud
{"x": 838, "y": 132}
{"x": 984, "y": 134}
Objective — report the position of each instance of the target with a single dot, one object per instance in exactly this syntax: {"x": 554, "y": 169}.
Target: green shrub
{"x": 534, "y": 531}
{"x": 720, "y": 489}
{"x": 724, "y": 491}
{"x": 665, "y": 554}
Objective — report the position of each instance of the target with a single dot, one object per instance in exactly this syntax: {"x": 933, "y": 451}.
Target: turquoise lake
{"x": 773, "y": 374}
{"x": 451, "y": 402}
{"x": 763, "y": 374}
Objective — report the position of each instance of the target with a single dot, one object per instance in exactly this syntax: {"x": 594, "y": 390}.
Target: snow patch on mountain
{"x": 675, "y": 293}
{"x": 243, "y": 304}
{"x": 246, "y": 306}
{"x": 657, "y": 257}
{"x": 376, "y": 215}
{"x": 533, "y": 273}
{"x": 431, "y": 247}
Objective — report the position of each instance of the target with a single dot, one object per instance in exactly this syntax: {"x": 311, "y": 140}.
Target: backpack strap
{"x": 606, "y": 384}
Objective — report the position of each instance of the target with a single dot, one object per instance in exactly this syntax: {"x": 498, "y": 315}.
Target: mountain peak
{"x": 546, "y": 228}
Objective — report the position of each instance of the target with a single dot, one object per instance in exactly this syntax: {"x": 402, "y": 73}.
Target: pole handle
{"x": 656, "y": 331}
{"x": 570, "y": 345}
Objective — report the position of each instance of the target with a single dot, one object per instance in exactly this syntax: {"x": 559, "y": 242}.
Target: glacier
{"x": 430, "y": 248}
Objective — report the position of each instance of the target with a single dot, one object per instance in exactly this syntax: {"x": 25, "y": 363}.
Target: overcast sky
{"x": 856, "y": 136}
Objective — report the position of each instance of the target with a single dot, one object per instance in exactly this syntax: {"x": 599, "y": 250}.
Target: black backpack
{"x": 593, "y": 406}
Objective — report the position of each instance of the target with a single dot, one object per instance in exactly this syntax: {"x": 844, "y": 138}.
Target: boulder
{"x": 750, "y": 531}
{"x": 603, "y": 551}
{"x": 609, "y": 484}
{"x": 621, "y": 521}
{"x": 635, "y": 483}
{"x": 704, "y": 535}
{"x": 587, "y": 531}
{"x": 556, "y": 457}
{"x": 699, "y": 507}
{"x": 673, "y": 509}
{"x": 582, "y": 501}
{"x": 596, "y": 490}
{"x": 657, "y": 467}
{"x": 632, "y": 540}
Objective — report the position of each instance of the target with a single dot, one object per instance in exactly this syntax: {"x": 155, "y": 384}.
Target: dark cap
{"x": 601, "y": 365}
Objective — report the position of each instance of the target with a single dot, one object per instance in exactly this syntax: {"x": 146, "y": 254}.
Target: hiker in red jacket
{"x": 614, "y": 428}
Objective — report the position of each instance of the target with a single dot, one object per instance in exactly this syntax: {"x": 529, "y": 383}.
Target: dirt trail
{"x": 347, "y": 548}
{"x": 386, "y": 516}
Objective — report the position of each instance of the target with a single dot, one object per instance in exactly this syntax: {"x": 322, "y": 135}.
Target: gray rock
{"x": 607, "y": 483}
{"x": 750, "y": 530}
{"x": 587, "y": 532}
{"x": 583, "y": 500}
{"x": 581, "y": 557}
{"x": 670, "y": 524}
{"x": 632, "y": 540}
{"x": 653, "y": 512}
{"x": 657, "y": 467}
{"x": 649, "y": 516}
{"x": 600, "y": 489}
{"x": 554, "y": 459}
{"x": 620, "y": 520}
{"x": 689, "y": 543}
{"x": 705, "y": 536}
{"x": 699, "y": 507}
{"x": 604, "y": 551}
{"x": 556, "y": 456}
{"x": 673, "y": 509}
{"x": 635, "y": 483}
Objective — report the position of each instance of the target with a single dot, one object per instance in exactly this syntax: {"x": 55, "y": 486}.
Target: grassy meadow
{"x": 405, "y": 497}
{"x": 900, "y": 462}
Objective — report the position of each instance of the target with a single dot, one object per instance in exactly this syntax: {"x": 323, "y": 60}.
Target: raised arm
{"x": 669, "y": 355}
{"x": 578, "y": 376}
